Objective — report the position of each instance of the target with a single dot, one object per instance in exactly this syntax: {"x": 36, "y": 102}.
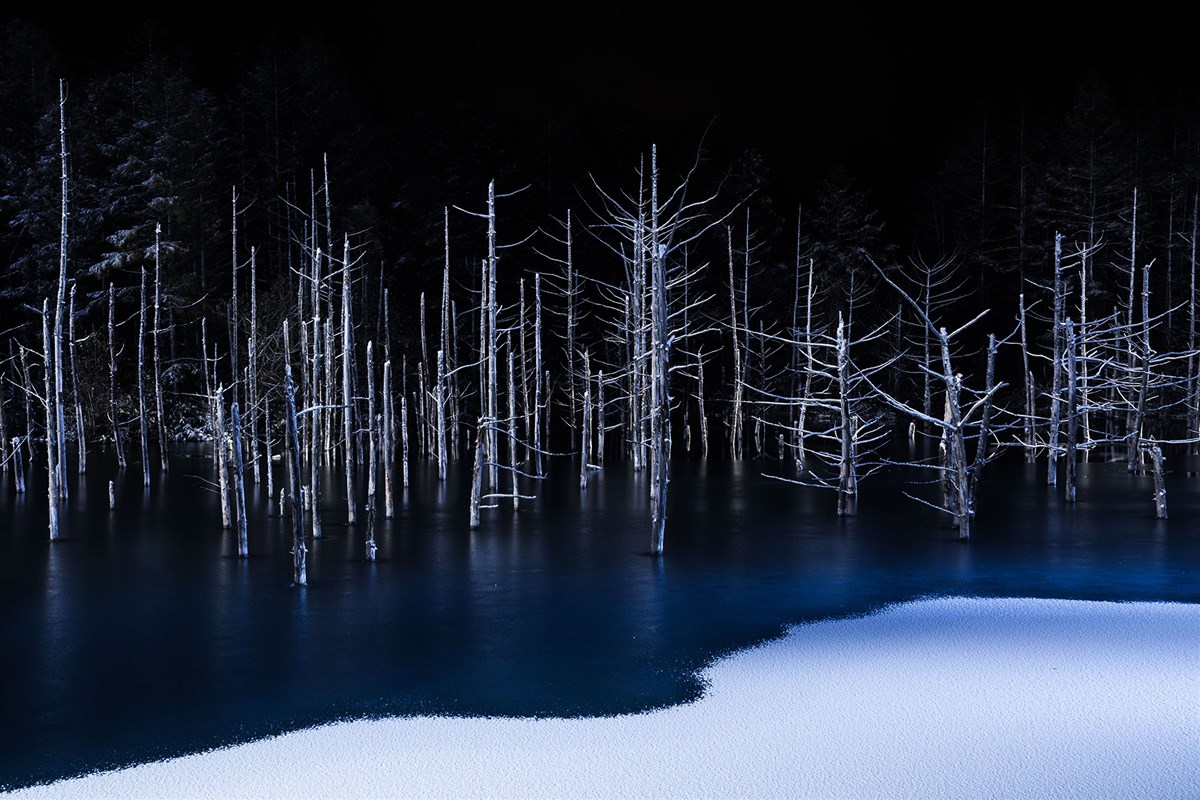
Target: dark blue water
{"x": 141, "y": 635}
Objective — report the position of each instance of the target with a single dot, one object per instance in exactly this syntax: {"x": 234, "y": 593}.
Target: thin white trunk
{"x": 440, "y": 403}
{"x": 314, "y": 460}
{"x": 222, "y": 465}
{"x": 112, "y": 385}
{"x": 371, "y": 425}
{"x": 239, "y": 480}
{"x": 347, "y": 398}
{"x": 80, "y": 434}
{"x": 512, "y": 430}
{"x": 60, "y": 303}
{"x": 404, "y": 440}
{"x": 252, "y": 365}
{"x": 158, "y": 389}
{"x": 1056, "y": 364}
{"x": 735, "y": 423}
{"x": 586, "y": 423}
{"x": 299, "y": 552}
{"x": 537, "y": 368}
{"x": 660, "y": 400}
{"x": 141, "y": 373}
{"x": 389, "y": 439}
{"x": 476, "y": 477}
{"x": 52, "y": 472}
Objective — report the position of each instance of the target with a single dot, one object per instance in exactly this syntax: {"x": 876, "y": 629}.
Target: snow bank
{"x": 937, "y": 698}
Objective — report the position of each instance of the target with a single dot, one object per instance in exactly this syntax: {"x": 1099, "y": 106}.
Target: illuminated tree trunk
{"x": 347, "y": 397}
{"x": 389, "y": 442}
{"x": 52, "y": 451}
{"x": 80, "y": 434}
{"x": 1056, "y": 365}
{"x": 141, "y": 372}
{"x": 222, "y": 456}
{"x": 299, "y": 552}
{"x": 735, "y": 424}
{"x": 60, "y": 304}
{"x": 585, "y": 426}
{"x": 314, "y": 465}
{"x": 371, "y": 425}
{"x": 239, "y": 480}
{"x": 440, "y": 407}
{"x": 158, "y": 389}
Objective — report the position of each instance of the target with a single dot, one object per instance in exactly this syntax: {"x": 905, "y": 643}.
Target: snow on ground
{"x": 958, "y": 698}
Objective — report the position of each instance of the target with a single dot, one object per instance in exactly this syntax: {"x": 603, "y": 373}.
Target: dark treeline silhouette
{"x": 779, "y": 319}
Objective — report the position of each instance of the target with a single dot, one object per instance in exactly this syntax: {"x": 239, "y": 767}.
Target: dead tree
{"x": 299, "y": 552}
{"x": 141, "y": 372}
{"x": 80, "y": 433}
{"x": 53, "y": 496}
{"x": 239, "y": 480}
{"x": 158, "y": 387}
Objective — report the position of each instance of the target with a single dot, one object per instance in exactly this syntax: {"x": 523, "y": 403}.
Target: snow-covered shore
{"x": 958, "y": 698}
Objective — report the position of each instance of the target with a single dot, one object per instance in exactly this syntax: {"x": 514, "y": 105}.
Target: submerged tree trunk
{"x": 158, "y": 387}
{"x": 585, "y": 426}
{"x": 112, "y": 385}
{"x": 222, "y": 450}
{"x": 347, "y": 397}
{"x": 80, "y": 434}
{"x": 52, "y": 451}
{"x": 145, "y": 430}
{"x": 299, "y": 552}
{"x": 389, "y": 446}
{"x": 239, "y": 480}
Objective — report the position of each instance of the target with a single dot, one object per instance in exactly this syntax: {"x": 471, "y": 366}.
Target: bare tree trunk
{"x": 222, "y": 466}
{"x": 314, "y": 466}
{"x": 660, "y": 434}
{"x": 404, "y": 440}
{"x": 700, "y": 403}
{"x": 985, "y": 424}
{"x": 845, "y": 470}
{"x": 371, "y": 425}
{"x": 142, "y": 384}
{"x": 389, "y": 439}
{"x": 600, "y": 418}
{"x": 1072, "y": 411}
{"x": 4, "y": 440}
{"x": 512, "y": 431}
{"x": 347, "y": 397}
{"x": 234, "y": 316}
{"x": 537, "y": 368}
{"x": 252, "y": 364}
{"x": 299, "y": 552}
{"x": 476, "y": 476}
{"x": 586, "y": 423}
{"x": 735, "y": 425}
{"x": 571, "y": 289}
{"x": 524, "y": 383}
{"x": 1056, "y": 365}
{"x": 1138, "y": 415}
{"x": 268, "y": 465}
{"x": 60, "y": 304}
{"x": 52, "y": 471}
{"x": 80, "y": 434}
{"x": 493, "y": 376}
{"x": 239, "y": 481}
{"x": 18, "y": 463}
{"x": 1160, "y": 489}
{"x": 440, "y": 402}
{"x": 158, "y": 389}
{"x": 1030, "y": 452}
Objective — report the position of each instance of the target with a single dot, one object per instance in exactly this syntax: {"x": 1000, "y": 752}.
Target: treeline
{"x": 1043, "y": 296}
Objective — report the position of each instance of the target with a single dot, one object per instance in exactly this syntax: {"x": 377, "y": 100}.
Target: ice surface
{"x": 960, "y": 698}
